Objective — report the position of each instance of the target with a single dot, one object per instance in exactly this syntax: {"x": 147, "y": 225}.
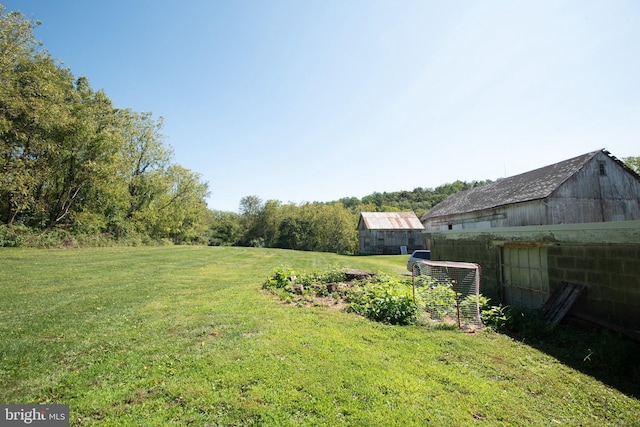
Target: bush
{"x": 381, "y": 299}
{"x": 389, "y": 301}
{"x": 496, "y": 317}
{"x": 12, "y": 236}
{"x": 279, "y": 278}
{"x": 438, "y": 300}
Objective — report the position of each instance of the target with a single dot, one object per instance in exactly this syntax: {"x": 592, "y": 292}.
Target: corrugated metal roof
{"x": 534, "y": 185}
{"x": 391, "y": 221}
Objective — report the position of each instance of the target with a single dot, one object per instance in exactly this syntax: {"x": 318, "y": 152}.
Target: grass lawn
{"x": 185, "y": 336}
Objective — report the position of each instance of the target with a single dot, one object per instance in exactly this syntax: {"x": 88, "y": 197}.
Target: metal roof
{"x": 391, "y": 221}
{"x": 533, "y": 185}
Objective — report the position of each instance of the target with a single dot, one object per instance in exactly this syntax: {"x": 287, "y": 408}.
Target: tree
{"x": 27, "y": 115}
{"x": 143, "y": 158}
{"x": 293, "y": 233}
{"x": 268, "y": 222}
{"x": 250, "y": 208}
{"x": 633, "y": 163}
{"x": 179, "y": 210}
{"x": 225, "y": 228}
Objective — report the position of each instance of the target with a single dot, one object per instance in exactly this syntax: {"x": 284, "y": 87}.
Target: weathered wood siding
{"x": 379, "y": 242}
{"x": 601, "y": 191}
{"x": 529, "y": 213}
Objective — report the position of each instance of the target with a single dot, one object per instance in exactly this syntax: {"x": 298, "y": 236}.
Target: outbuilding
{"x": 571, "y": 225}
{"x": 593, "y": 187}
{"x": 389, "y": 233}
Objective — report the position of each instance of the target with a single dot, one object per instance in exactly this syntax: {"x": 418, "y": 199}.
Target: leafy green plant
{"x": 333, "y": 275}
{"x": 390, "y": 301}
{"x": 438, "y": 299}
{"x": 279, "y": 278}
{"x": 496, "y": 317}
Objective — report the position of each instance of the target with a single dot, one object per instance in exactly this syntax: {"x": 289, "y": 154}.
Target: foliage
{"x": 420, "y": 200}
{"x": 496, "y": 317}
{"x": 323, "y": 227}
{"x": 380, "y": 299}
{"x": 633, "y": 163}
{"x": 225, "y": 228}
{"x": 439, "y": 299}
{"x": 279, "y": 278}
{"x": 383, "y": 300}
{"x": 72, "y": 165}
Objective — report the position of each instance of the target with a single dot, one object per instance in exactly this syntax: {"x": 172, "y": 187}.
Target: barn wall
{"x": 602, "y": 256}
{"x": 388, "y": 242}
{"x": 601, "y": 191}
{"x": 520, "y": 214}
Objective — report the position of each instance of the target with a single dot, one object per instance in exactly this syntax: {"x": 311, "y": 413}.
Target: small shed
{"x": 593, "y": 187}
{"x": 388, "y": 232}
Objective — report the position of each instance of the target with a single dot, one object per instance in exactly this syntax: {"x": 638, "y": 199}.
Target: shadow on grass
{"x": 607, "y": 356}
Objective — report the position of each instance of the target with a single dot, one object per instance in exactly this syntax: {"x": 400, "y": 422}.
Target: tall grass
{"x": 185, "y": 336}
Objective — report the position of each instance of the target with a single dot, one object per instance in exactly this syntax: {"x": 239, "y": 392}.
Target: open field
{"x": 185, "y": 336}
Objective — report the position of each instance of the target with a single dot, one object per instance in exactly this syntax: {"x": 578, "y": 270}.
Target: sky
{"x": 316, "y": 100}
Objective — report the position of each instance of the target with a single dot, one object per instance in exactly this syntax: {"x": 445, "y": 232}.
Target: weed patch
{"x": 376, "y": 297}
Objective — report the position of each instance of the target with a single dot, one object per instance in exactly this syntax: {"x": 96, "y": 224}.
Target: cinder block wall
{"x": 605, "y": 257}
{"x": 611, "y": 273}
{"x": 476, "y": 250}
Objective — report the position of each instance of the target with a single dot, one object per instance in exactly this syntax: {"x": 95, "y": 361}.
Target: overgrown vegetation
{"x": 384, "y": 300}
{"x": 377, "y": 297}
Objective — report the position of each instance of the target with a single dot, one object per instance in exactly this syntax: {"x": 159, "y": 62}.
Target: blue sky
{"x": 317, "y": 100}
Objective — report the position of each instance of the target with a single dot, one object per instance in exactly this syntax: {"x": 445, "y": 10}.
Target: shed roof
{"x": 391, "y": 221}
{"x": 533, "y": 185}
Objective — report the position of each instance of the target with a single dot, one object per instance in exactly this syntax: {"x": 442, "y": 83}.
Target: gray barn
{"x": 593, "y": 187}
{"x": 386, "y": 232}
{"x": 575, "y": 222}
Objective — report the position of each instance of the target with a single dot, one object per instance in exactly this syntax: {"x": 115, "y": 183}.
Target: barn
{"x": 593, "y": 187}
{"x": 571, "y": 225}
{"x": 388, "y": 232}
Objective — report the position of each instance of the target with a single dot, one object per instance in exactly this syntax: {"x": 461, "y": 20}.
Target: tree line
{"x": 71, "y": 161}
{"x": 326, "y": 227}
{"x": 73, "y": 167}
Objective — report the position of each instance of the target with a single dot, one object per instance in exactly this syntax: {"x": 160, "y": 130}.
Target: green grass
{"x": 185, "y": 336}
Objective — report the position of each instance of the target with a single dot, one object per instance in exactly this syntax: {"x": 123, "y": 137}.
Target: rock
{"x": 358, "y": 274}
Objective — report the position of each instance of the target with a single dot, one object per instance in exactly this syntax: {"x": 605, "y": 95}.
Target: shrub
{"x": 439, "y": 301}
{"x": 388, "y": 301}
{"x": 496, "y": 317}
{"x": 279, "y": 278}
{"x": 333, "y": 275}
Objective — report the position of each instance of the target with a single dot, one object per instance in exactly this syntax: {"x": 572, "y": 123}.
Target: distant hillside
{"x": 420, "y": 200}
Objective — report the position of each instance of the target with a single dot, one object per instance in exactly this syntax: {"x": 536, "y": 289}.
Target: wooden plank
{"x": 560, "y": 302}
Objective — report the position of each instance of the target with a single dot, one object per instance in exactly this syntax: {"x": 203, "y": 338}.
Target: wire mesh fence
{"x": 448, "y": 292}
